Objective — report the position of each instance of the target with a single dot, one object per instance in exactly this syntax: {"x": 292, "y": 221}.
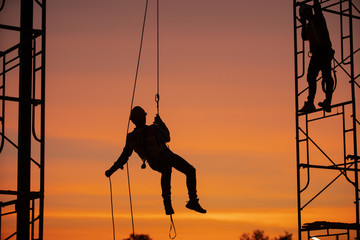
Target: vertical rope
{"x": 131, "y": 106}
{"x": 138, "y": 65}
{"x": 112, "y": 209}
{"x": 157, "y": 96}
{"x": 131, "y": 208}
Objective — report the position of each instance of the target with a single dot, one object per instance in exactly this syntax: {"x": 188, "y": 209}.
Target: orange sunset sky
{"x": 226, "y": 94}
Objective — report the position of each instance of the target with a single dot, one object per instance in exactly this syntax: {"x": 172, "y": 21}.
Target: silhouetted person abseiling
{"x": 149, "y": 142}
{"x": 314, "y": 29}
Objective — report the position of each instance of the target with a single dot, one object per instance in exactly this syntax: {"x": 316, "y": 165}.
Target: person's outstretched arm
{"x": 124, "y": 157}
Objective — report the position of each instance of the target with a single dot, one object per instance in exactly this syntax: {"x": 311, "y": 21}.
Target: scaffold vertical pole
{"x": 24, "y": 124}
{"x": 354, "y": 123}
{"x": 42, "y": 116}
{"x": 297, "y": 119}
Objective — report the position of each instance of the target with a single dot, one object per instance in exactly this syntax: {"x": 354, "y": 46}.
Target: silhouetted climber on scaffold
{"x": 148, "y": 141}
{"x": 314, "y": 29}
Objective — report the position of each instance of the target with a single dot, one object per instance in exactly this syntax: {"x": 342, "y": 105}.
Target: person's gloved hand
{"x": 111, "y": 170}
{"x": 108, "y": 173}
{"x": 157, "y": 119}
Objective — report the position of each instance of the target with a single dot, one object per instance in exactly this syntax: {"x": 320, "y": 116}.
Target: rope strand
{"x": 112, "y": 209}
{"x": 131, "y": 106}
{"x": 157, "y": 96}
{"x": 138, "y": 65}
{"x": 172, "y": 227}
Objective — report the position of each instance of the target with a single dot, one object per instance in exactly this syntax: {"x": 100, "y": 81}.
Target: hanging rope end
{"x": 172, "y": 227}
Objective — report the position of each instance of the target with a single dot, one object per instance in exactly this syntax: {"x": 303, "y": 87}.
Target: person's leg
{"x": 313, "y": 71}
{"x": 166, "y": 183}
{"x": 328, "y": 79}
{"x": 183, "y": 166}
{"x": 166, "y": 186}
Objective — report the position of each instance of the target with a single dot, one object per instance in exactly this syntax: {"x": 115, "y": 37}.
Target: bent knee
{"x": 191, "y": 171}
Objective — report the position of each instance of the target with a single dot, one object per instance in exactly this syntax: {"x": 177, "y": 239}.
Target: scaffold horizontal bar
{"x": 330, "y": 235}
{"x": 38, "y": 53}
{"x": 304, "y": 165}
{"x": 8, "y": 203}
{"x": 8, "y": 192}
{"x": 37, "y": 33}
{"x": 321, "y": 109}
{"x": 8, "y": 27}
{"x": 324, "y": 116}
{"x": 15, "y": 28}
{"x": 347, "y": 163}
{"x": 12, "y": 59}
{"x": 8, "y": 213}
{"x": 16, "y": 99}
{"x": 341, "y": 13}
{"x": 319, "y": 225}
{"x": 33, "y": 194}
{"x": 349, "y": 130}
{"x": 9, "y": 50}
{"x": 353, "y": 157}
{"x": 8, "y": 70}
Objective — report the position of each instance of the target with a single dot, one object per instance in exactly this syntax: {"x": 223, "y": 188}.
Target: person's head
{"x": 305, "y": 11}
{"x": 138, "y": 116}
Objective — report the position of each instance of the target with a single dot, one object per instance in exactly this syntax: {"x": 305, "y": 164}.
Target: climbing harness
{"x": 323, "y": 83}
{"x": 157, "y": 100}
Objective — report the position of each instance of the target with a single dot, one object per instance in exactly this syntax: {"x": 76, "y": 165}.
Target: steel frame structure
{"x": 346, "y": 166}
{"x": 26, "y": 59}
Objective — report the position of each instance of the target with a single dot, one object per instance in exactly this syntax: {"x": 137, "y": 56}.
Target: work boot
{"x": 168, "y": 206}
{"x": 308, "y": 107}
{"x": 193, "y": 204}
{"x": 325, "y": 105}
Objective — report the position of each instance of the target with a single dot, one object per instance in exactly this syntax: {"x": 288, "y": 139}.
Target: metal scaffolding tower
{"x": 23, "y": 67}
{"x": 328, "y": 162}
